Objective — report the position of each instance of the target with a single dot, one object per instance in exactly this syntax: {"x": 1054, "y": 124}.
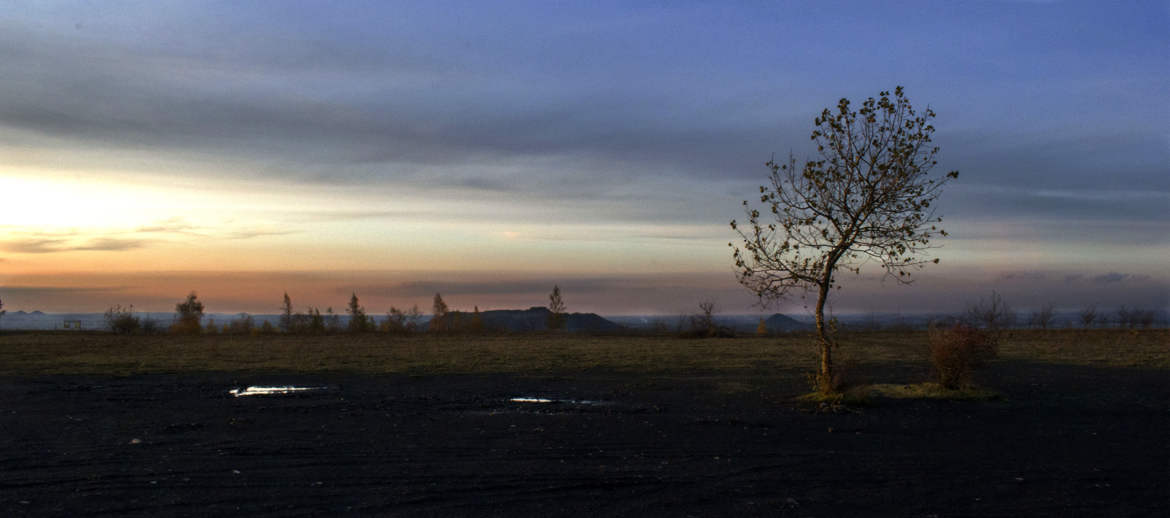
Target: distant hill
{"x": 778, "y": 323}
{"x": 535, "y": 319}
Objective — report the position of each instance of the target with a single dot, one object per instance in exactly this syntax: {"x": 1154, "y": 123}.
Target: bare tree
{"x": 868, "y": 198}
{"x": 703, "y": 323}
{"x": 556, "y": 307}
{"x": 1042, "y": 317}
{"x": 358, "y": 323}
{"x": 439, "y": 314}
{"x": 991, "y": 314}
{"x": 1125, "y": 317}
{"x": 1144, "y": 318}
{"x": 2, "y": 310}
{"x": 1088, "y": 315}
{"x": 286, "y": 314}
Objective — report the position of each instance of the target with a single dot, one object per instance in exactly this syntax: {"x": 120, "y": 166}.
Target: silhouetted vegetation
{"x": 150, "y": 327}
{"x": 332, "y": 321}
{"x": 439, "y": 323}
{"x": 316, "y": 322}
{"x": 399, "y": 322}
{"x": 957, "y": 351}
{"x": 1042, "y": 317}
{"x": 188, "y": 316}
{"x": 121, "y": 320}
{"x": 477, "y": 326}
{"x": 1134, "y": 318}
{"x": 867, "y": 197}
{"x": 992, "y": 315}
{"x": 556, "y": 308}
{"x": 1088, "y": 316}
{"x": 243, "y": 325}
{"x": 358, "y": 322}
{"x": 703, "y": 324}
{"x": 286, "y": 314}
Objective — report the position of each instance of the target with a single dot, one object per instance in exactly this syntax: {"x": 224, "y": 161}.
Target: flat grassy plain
{"x": 729, "y": 363}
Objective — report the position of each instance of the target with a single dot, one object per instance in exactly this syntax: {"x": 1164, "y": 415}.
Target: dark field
{"x": 105, "y": 425}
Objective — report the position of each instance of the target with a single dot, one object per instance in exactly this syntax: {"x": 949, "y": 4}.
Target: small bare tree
{"x": 286, "y": 314}
{"x": 1088, "y": 316}
{"x": 439, "y": 311}
{"x": 868, "y": 198}
{"x": 556, "y": 308}
{"x": 703, "y": 323}
{"x": 1125, "y": 317}
{"x": 1042, "y": 317}
{"x": 991, "y": 314}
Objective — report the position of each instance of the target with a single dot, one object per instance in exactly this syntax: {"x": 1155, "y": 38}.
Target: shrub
{"x": 188, "y": 316}
{"x": 358, "y": 322}
{"x": 150, "y": 327}
{"x": 957, "y": 351}
{"x": 333, "y": 321}
{"x": 992, "y": 315}
{"x": 122, "y": 320}
{"x": 316, "y": 322}
{"x": 703, "y": 324}
{"x": 439, "y": 311}
{"x": 241, "y": 326}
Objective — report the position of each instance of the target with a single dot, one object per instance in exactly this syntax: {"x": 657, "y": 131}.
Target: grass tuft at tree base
{"x": 866, "y": 394}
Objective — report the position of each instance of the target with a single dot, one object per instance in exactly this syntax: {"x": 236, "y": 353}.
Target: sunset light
{"x": 531, "y": 258}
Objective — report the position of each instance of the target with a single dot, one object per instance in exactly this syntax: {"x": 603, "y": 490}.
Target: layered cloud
{"x": 533, "y": 137}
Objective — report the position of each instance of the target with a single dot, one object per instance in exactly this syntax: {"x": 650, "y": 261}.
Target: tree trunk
{"x": 825, "y": 373}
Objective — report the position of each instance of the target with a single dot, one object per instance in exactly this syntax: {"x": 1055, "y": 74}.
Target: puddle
{"x": 540, "y": 400}
{"x": 269, "y": 391}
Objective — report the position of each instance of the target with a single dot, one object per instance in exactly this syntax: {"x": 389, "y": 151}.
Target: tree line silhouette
{"x": 190, "y": 313}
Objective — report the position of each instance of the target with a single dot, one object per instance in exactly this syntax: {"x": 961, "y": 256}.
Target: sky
{"x": 488, "y": 150}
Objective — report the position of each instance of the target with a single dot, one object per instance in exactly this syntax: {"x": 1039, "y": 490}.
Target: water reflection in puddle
{"x": 540, "y": 400}
{"x": 266, "y": 391}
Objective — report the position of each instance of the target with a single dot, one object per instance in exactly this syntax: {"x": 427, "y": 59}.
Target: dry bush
{"x": 188, "y": 316}
{"x": 122, "y": 321}
{"x": 957, "y": 351}
{"x": 244, "y": 325}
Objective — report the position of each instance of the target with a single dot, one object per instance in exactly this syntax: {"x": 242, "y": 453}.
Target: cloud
{"x": 349, "y": 215}
{"x": 1025, "y": 275}
{"x": 176, "y": 225}
{"x": 55, "y": 245}
{"x": 250, "y": 234}
{"x": 614, "y": 115}
{"x": 506, "y": 287}
{"x": 36, "y": 291}
{"x": 1116, "y": 277}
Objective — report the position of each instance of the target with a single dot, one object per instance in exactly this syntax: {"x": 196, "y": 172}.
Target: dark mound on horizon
{"x": 535, "y": 319}
{"x": 778, "y": 323}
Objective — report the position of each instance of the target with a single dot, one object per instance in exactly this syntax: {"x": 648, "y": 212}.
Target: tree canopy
{"x": 867, "y": 198}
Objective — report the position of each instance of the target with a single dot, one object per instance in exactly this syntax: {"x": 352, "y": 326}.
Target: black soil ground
{"x": 1065, "y": 441}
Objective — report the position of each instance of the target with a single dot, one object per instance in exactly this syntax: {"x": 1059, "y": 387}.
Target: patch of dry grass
{"x": 741, "y": 360}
